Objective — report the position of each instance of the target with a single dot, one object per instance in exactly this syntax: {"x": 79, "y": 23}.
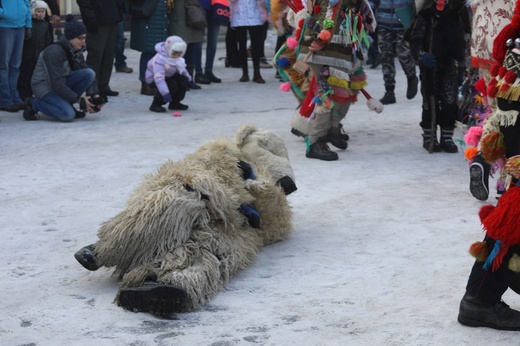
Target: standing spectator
{"x": 15, "y": 25}
{"x": 390, "y": 32}
{"x": 211, "y": 47}
{"x": 120, "y": 59}
{"x": 249, "y": 16}
{"x": 167, "y": 69}
{"x": 437, "y": 41}
{"x": 61, "y": 76}
{"x": 33, "y": 46}
{"x": 101, "y": 18}
{"x": 192, "y": 36}
{"x": 232, "y": 55}
{"x": 146, "y": 30}
{"x": 54, "y": 18}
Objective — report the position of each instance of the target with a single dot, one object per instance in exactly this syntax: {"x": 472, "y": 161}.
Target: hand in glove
{"x": 28, "y": 33}
{"x": 167, "y": 98}
{"x": 427, "y": 59}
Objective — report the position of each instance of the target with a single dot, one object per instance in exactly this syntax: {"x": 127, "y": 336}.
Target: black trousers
{"x": 178, "y": 85}
{"x": 488, "y": 285}
{"x": 257, "y": 36}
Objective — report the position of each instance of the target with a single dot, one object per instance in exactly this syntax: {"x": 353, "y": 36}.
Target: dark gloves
{"x": 167, "y": 98}
{"x": 28, "y": 33}
{"x": 427, "y": 59}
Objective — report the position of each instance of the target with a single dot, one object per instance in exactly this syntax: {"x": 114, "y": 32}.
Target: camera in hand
{"x": 96, "y": 101}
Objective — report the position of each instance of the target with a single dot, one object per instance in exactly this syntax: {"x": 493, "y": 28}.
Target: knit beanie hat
{"x": 39, "y": 4}
{"x": 174, "y": 44}
{"x": 73, "y": 28}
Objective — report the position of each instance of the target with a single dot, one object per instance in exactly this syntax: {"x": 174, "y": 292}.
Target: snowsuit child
{"x": 167, "y": 69}
{"x": 32, "y": 47}
{"x": 437, "y": 42}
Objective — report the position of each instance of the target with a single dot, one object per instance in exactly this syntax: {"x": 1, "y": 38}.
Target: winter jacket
{"x": 54, "y": 64}
{"x": 177, "y": 25}
{"x": 247, "y": 12}
{"x": 40, "y": 39}
{"x": 15, "y": 14}
{"x": 386, "y": 15}
{"x": 146, "y": 32}
{"x": 96, "y": 13}
{"x": 446, "y": 40}
{"x": 158, "y": 69}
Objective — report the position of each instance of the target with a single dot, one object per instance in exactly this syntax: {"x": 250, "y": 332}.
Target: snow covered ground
{"x": 378, "y": 256}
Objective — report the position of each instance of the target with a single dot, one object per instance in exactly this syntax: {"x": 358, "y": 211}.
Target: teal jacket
{"x": 15, "y": 14}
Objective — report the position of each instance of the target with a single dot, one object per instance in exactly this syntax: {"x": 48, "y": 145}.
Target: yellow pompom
{"x": 470, "y": 153}
{"x": 514, "y": 263}
{"x": 513, "y": 166}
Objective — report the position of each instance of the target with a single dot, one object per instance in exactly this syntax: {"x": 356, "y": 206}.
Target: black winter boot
{"x": 158, "y": 299}
{"x": 426, "y": 141}
{"x": 479, "y": 178}
{"x": 334, "y": 137}
{"x": 447, "y": 143}
{"x": 389, "y": 97}
{"x": 245, "y": 74}
{"x": 320, "y": 150}
{"x": 257, "y": 78}
{"x": 411, "y": 90}
{"x": 476, "y": 313}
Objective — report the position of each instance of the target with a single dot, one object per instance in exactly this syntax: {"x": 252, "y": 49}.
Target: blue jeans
{"x": 211, "y": 42}
{"x": 54, "y": 106}
{"x": 10, "y": 59}
{"x": 120, "y": 60}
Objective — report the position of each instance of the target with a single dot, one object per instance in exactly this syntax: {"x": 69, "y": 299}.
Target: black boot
{"x": 411, "y": 90}
{"x": 476, "y": 313}
{"x": 320, "y": 150}
{"x": 334, "y": 137}
{"x": 192, "y": 84}
{"x": 245, "y": 74}
{"x": 479, "y": 178}
{"x": 389, "y": 97}
{"x": 447, "y": 143}
{"x": 257, "y": 78}
{"x": 426, "y": 141}
{"x": 214, "y": 79}
{"x": 148, "y": 89}
{"x": 158, "y": 299}
{"x": 86, "y": 257}
{"x": 344, "y": 135}
{"x": 201, "y": 79}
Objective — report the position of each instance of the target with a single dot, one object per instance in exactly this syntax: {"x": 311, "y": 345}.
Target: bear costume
{"x": 187, "y": 229}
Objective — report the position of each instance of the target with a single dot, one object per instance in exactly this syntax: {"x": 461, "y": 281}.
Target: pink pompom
{"x": 285, "y": 87}
{"x": 292, "y": 43}
{"x": 375, "y": 105}
{"x": 472, "y": 137}
{"x": 176, "y": 114}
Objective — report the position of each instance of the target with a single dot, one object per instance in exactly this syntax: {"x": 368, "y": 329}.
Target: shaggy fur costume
{"x": 183, "y": 226}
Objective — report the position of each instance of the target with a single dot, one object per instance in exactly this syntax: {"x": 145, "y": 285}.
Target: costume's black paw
{"x": 287, "y": 184}
{"x": 158, "y": 299}
{"x": 86, "y": 257}
{"x": 253, "y": 216}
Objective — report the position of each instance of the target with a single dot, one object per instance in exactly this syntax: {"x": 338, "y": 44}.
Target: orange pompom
{"x": 470, "y": 153}
{"x": 513, "y": 166}
{"x": 493, "y": 146}
{"x": 325, "y": 35}
{"x": 479, "y": 250}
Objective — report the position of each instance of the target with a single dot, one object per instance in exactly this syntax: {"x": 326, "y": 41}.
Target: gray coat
{"x": 54, "y": 64}
{"x": 147, "y": 32}
{"x": 178, "y": 25}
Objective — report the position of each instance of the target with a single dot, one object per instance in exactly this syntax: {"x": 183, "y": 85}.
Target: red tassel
{"x": 480, "y": 86}
{"x": 494, "y": 70}
{"x": 502, "y": 71}
{"x": 316, "y": 9}
{"x": 503, "y": 222}
{"x": 301, "y": 22}
{"x": 493, "y": 81}
{"x": 504, "y": 87}
{"x": 484, "y": 211}
{"x": 306, "y": 108}
{"x": 499, "y": 43}
{"x": 510, "y": 77}
{"x": 492, "y": 91}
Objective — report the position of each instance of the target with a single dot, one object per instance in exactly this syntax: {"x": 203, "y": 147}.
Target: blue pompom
{"x": 283, "y": 62}
{"x": 333, "y": 2}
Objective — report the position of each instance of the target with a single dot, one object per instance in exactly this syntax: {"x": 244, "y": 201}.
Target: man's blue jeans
{"x": 54, "y": 106}
{"x": 10, "y": 59}
{"x": 211, "y": 44}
